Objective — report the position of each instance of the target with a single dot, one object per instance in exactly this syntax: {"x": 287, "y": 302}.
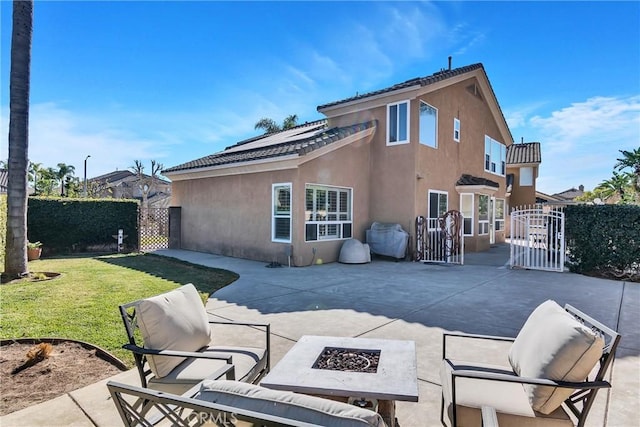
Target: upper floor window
{"x": 328, "y": 213}
{"x": 281, "y": 213}
{"x": 398, "y": 123}
{"x": 428, "y": 125}
{"x": 495, "y": 156}
{"x": 456, "y": 130}
{"x": 526, "y": 176}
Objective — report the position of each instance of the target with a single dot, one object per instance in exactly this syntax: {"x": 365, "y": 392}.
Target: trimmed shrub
{"x": 603, "y": 239}
{"x": 77, "y": 225}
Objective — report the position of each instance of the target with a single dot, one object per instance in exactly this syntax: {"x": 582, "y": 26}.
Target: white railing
{"x": 537, "y": 239}
{"x": 443, "y": 240}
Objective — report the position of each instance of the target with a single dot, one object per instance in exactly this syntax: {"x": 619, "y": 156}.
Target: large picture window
{"x": 328, "y": 213}
{"x": 495, "y": 156}
{"x": 466, "y": 208}
{"x": 483, "y": 214}
{"x": 281, "y": 213}
{"x": 428, "y": 125}
{"x": 398, "y": 123}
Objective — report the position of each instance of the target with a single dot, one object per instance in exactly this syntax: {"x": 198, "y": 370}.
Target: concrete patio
{"x": 396, "y": 300}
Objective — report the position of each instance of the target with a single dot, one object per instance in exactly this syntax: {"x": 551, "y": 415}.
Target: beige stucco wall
{"x": 231, "y": 215}
{"x": 403, "y": 174}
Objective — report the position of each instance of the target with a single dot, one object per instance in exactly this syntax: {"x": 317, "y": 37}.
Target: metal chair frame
{"x": 579, "y": 403}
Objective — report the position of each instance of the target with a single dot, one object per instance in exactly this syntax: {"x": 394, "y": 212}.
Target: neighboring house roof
{"x": 4, "y": 180}
{"x": 524, "y": 153}
{"x": 570, "y": 194}
{"x": 299, "y": 140}
{"x": 545, "y": 198}
{"x": 426, "y": 81}
{"x": 475, "y": 180}
{"x": 123, "y": 175}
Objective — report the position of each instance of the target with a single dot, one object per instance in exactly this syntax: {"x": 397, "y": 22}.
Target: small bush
{"x": 604, "y": 239}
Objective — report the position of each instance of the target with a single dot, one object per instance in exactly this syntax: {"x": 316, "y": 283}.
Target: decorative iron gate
{"x": 153, "y": 224}
{"x": 440, "y": 239}
{"x": 537, "y": 239}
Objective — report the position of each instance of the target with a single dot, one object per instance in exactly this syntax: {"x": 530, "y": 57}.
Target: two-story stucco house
{"x": 418, "y": 148}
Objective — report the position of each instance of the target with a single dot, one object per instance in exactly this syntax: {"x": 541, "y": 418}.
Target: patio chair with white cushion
{"x": 179, "y": 348}
{"x": 233, "y": 403}
{"x": 558, "y": 363}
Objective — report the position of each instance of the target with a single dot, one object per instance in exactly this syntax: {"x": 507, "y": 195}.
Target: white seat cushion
{"x": 510, "y": 400}
{"x": 300, "y": 407}
{"x": 553, "y": 345}
{"x": 175, "y": 320}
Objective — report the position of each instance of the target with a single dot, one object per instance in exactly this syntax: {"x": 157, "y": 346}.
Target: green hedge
{"x": 77, "y": 225}
{"x": 602, "y": 238}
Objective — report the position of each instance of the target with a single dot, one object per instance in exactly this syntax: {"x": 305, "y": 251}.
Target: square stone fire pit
{"x": 394, "y": 379}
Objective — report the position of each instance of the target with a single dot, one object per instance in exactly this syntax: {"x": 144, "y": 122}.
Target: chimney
{"x": 449, "y": 63}
{"x": 581, "y": 188}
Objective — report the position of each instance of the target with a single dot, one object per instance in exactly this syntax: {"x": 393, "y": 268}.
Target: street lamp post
{"x": 85, "y": 175}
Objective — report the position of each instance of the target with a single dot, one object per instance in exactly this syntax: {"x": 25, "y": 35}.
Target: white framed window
{"x": 328, "y": 213}
{"x": 456, "y": 130}
{"x": 526, "y": 176}
{"x": 483, "y": 214}
{"x": 281, "y": 213}
{"x": 428, "y": 125}
{"x": 495, "y": 156}
{"x": 466, "y": 208}
{"x": 438, "y": 205}
{"x": 499, "y": 214}
{"x": 398, "y": 123}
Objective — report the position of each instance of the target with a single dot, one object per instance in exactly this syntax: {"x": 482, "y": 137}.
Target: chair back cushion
{"x": 554, "y": 345}
{"x": 294, "y": 406}
{"x": 175, "y": 320}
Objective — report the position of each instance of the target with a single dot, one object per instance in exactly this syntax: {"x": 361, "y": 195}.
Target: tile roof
{"x": 300, "y": 140}
{"x": 475, "y": 180}
{"x": 528, "y": 152}
{"x": 115, "y": 176}
{"x": 570, "y": 194}
{"x": 421, "y": 81}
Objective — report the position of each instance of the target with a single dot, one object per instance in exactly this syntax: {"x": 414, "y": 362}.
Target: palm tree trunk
{"x": 19, "y": 84}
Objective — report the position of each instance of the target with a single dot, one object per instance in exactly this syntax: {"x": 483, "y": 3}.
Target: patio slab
{"x": 406, "y": 301}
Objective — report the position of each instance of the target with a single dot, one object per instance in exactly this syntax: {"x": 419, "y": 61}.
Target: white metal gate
{"x": 441, "y": 239}
{"x": 537, "y": 239}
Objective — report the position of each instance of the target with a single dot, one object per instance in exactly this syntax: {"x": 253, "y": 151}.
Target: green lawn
{"x": 82, "y": 303}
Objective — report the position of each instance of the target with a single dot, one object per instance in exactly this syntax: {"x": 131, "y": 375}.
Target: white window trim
{"x": 274, "y": 216}
{"x": 530, "y": 179}
{"x": 473, "y": 216}
{"x": 498, "y": 162}
{"x": 429, "y": 226}
{"x": 436, "y": 125}
{"x": 456, "y": 129}
{"x": 483, "y": 221}
{"x": 405, "y": 141}
{"x": 495, "y": 218}
{"x": 339, "y": 223}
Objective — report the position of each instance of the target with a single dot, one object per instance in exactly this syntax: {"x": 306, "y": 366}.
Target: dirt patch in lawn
{"x": 70, "y": 365}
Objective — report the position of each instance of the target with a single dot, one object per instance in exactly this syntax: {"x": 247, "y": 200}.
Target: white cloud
{"x": 581, "y": 142}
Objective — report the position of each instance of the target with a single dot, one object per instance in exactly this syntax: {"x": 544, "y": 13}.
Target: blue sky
{"x": 175, "y": 81}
